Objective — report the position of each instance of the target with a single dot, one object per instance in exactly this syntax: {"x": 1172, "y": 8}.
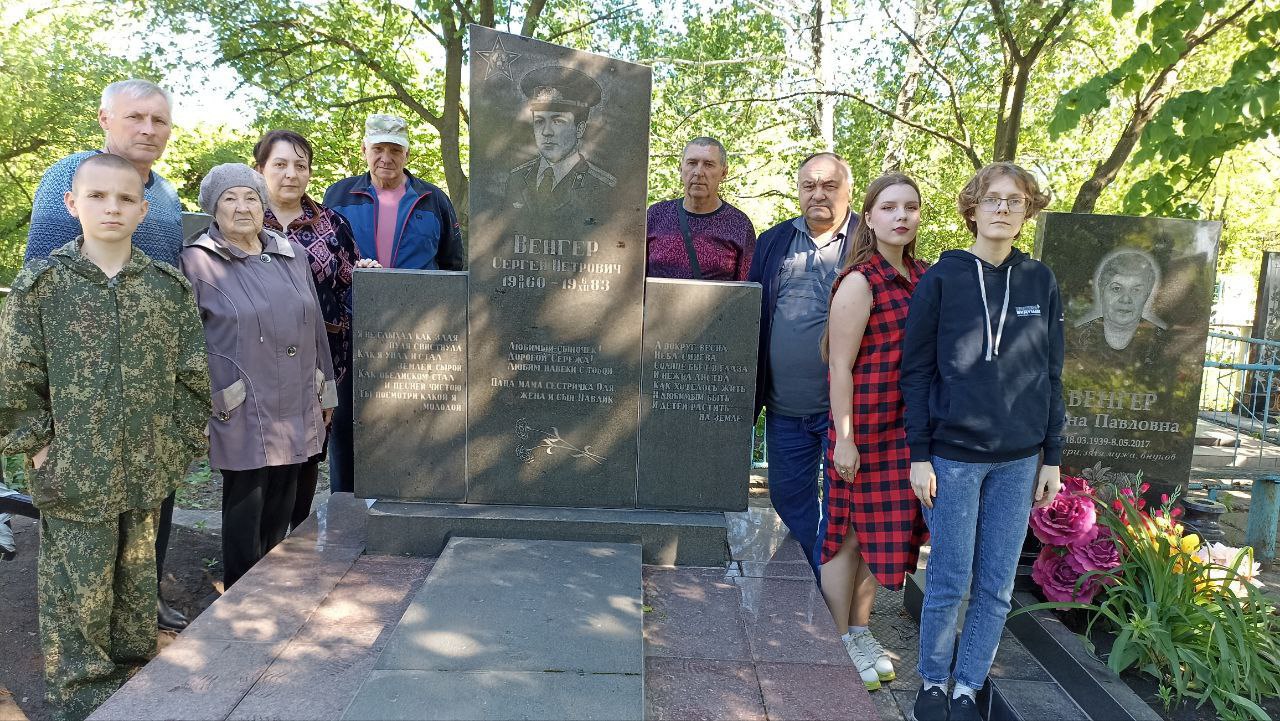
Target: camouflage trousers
{"x": 97, "y": 591}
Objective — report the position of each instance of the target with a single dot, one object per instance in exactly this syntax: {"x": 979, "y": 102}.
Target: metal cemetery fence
{"x": 1240, "y": 392}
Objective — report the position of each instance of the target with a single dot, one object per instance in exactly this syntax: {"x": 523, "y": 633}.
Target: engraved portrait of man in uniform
{"x": 1122, "y": 322}
{"x": 561, "y": 181}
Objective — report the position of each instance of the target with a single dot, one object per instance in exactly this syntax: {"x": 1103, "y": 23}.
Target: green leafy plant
{"x": 1199, "y": 627}
{"x": 15, "y": 472}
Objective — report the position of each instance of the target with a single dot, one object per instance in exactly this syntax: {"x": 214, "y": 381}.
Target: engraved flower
{"x": 522, "y": 429}
{"x": 524, "y": 454}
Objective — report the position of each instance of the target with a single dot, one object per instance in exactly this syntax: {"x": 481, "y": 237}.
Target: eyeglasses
{"x": 1015, "y": 204}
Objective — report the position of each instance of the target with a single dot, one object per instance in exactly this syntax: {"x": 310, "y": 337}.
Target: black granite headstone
{"x": 1266, "y": 314}
{"x": 1266, "y": 326}
{"x": 698, "y": 393}
{"x": 410, "y": 385}
{"x": 195, "y": 223}
{"x": 1137, "y": 294}
{"x": 559, "y": 161}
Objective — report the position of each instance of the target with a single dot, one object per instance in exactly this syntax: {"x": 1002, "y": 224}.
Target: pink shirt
{"x": 388, "y": 204}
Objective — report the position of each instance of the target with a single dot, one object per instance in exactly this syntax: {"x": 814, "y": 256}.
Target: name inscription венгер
{"x": 690, "y": 378}
{"x": 419, "y": 367}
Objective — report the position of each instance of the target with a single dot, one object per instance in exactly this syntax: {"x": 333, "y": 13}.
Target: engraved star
{"x": 499, "y": 60}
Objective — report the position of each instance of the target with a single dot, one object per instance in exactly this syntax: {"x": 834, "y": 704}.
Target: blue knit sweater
{"x": 159, "y": 235}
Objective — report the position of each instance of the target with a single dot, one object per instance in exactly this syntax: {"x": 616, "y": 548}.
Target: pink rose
{"x": 1075, "y": 484}
{"x": 1057, "y": 579}
{"x": 1071, "y": 518}
{"x": 1097, "y": 554}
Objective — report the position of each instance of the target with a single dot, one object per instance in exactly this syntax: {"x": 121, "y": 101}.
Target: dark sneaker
{"x": 931, "y": 704}
{"x": 963, "y": 708}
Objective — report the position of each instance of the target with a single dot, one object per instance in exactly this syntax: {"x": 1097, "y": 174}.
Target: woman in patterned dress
{"x": 872, "y": 527}
{"x": 284, "y": 159}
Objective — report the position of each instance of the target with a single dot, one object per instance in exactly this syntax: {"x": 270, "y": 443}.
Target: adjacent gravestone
{"x": 1266, "y": 314}
{"x": 195, "y": 223}
{"x": 1266, "y": 326}
{"x": 698, "y": 393}
{"x": 1137, "y": 295}
{"x": 559, "y": 162}
{"x": 410, "y": 385}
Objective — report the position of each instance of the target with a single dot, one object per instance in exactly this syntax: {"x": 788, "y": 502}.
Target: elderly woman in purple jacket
{"x": 269, "y": 362}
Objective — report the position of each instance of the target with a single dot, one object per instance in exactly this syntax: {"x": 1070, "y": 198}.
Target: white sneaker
{"x": 865, "y": 664}
{"x": 872, "y": 649}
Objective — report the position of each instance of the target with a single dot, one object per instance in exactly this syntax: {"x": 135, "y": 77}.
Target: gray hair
{"x": 704, "y": 141}
{"x": 134, "y": 88}
{"x": 848, "y": 172}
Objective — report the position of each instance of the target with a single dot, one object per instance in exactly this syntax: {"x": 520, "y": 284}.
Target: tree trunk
{"x": 1007, "y": 141}
{"x": 895, "y": 152}
{"x": 451, "y": 118}
{"x": 825, "y": 72}
{"x": 1105, "y": 172}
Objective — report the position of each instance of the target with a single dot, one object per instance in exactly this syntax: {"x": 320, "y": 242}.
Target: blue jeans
{"x": 977, "y": 526}
{"x": 797, "y": 446}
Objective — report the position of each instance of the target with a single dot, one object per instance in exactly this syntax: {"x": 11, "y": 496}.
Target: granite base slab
{"x": 495, "y": 696}
{"x": 516, "y": 629}
{"x": 668, "y": 538}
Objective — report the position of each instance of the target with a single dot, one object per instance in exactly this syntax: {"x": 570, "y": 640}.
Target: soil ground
{"x": 192, "y": 582}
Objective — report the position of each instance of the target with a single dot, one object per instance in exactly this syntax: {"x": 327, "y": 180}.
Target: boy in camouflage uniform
{"x": 105, "y": 387}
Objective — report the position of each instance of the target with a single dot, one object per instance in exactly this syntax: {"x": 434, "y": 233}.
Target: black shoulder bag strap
{"x": 688, "y": 240}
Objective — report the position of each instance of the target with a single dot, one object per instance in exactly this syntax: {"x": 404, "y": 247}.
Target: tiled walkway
{"x": 297, "y": 635}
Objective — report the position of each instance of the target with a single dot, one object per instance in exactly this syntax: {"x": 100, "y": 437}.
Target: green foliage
{"x": 1202, "y": 80}
{"x": 15, "y": 472}
{"x": 193, "y": 152}
{"x": 1201, "y": 641}
{"x": 195, "y": 491}
{"x": 1196, "y": 128}
{"x": 53, "y": 66}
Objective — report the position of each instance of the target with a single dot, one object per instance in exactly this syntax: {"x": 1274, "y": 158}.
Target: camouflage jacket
{"x": 111, "y": 373}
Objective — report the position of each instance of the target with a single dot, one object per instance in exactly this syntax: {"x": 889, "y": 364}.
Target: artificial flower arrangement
{"x": 1077, "y": 542}
{"x": 1187, "y": 613}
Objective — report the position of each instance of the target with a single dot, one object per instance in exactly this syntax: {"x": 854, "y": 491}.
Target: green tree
{"x": 52, "y": 69}
{"x": 335, "y": 61}
{"x": 1177, "y": 118}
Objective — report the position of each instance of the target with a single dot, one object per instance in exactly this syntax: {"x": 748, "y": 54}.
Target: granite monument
{"x": 1137, "y": 295}
{"x": 587, "y": 412}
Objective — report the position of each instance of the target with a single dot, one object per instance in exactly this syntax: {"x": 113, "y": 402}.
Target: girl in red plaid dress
{"x": 872, "y": 527}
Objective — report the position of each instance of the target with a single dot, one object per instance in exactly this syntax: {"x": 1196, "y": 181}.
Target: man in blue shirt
{"x": 136, "y": 117}
{"x": 796, "y": 262}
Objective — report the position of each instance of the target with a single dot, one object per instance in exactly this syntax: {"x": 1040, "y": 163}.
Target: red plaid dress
{"x": 878, "y": 505}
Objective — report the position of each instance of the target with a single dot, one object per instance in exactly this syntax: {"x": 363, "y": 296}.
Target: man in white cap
{"x": 398, "y": 219}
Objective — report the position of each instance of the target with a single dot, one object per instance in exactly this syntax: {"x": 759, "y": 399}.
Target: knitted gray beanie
{"x": 226, "y": 176}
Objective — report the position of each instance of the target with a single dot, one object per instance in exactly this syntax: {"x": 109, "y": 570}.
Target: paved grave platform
{"x": 304, "y": 631}
{"x": 510, "y": 628}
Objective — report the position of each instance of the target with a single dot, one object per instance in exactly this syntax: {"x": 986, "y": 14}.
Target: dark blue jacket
{"x": 982, "y": 361}
{"x": 771, "y": 250}
{"x": 427, "y": 233}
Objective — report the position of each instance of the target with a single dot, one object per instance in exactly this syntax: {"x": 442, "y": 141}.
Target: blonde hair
{"x": 1037, "y": 200}
{"x": 862, "y": 241}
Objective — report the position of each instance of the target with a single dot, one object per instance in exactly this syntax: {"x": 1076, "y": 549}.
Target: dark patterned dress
{"x": 331, "y": 250}
{"x": 878, "y": 505}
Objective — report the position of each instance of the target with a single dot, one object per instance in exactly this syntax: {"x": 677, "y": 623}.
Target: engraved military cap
{"x": 560, "y": 89}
